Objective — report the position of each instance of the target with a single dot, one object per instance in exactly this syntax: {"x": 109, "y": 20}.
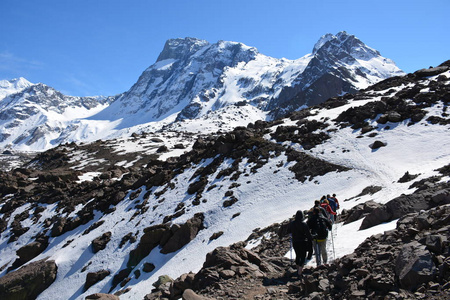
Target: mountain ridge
{"x": 193, "y": 80}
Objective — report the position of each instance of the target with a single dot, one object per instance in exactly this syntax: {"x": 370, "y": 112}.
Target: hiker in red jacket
{"x": 326, "y": 205}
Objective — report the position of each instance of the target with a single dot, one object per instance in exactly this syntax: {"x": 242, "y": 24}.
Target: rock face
{"x": 102, "y": 296}
{"x": 94, "y": 277}
{"x": 29, "y": 281}
{"x": 414, "y": 266}
{"x": 405, "y": 204}
{"x": 101, "y": 242}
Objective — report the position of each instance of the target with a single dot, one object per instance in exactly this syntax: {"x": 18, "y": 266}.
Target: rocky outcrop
{"x": 94, "y": 277}
{"x": 357, "y": 212}
{"x": 30, "y": 251}
{"x": 170, "y": 238}
{"x": 101, "y": 242}
{"x": 102, "y": 296}
{"x": 422, "y": 200}
{"x": 29, "y": 281}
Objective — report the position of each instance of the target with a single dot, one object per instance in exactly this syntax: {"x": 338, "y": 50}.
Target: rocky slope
{"x": 410, "y": 262}
{"x": 114, "y": 216}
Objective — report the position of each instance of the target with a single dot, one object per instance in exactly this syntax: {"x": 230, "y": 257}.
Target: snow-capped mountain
{"x": 9, "y": 87}
{"x": 113, "y": 216}
{"x": 192, "y": 78}
{"x": 195, "y": 84}
{"x": 34, "y": 116}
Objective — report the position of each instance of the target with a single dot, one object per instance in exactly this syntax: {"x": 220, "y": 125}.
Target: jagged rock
{"x": 94, "y": 277}
{"x": 162, "y": 280}
{"x": 152, "y": 237}
{"x": 404, "y": 204}
{"x": 197, "y": 186}
{"x": 358, "y": 211}
{"x": 120, "y": 277}
{"x": 101, "y": 242}
{"x": 377, "y": 144}
{"x": 102, "y": 296}
{"x": 148, "y": 267}
{"x": 431, "y": 71}
{"x": 186, "y": 233}
{"x": 407, "y": 177}
{"x": 414, "y": 266}
{"x": 191, "y": 295}
{"x": 30, "y": 251}
{"x": 29, "y": 281}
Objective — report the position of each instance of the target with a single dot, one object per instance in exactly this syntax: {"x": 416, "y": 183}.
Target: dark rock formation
{"x": 102, "y": 296}
{"x": 94, "y": 277}
{"x": 184, "y": 234}
{"x": 101, "y": 242}
{"x": 404, "y": 204}
{"x": 29, "y": 281}
{"x": 357, "y": 212}
{"x": 30, "y": 251}
{"x": 377, "y": 144}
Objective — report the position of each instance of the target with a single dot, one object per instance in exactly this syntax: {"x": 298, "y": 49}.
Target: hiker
{"x": 334, "y": 203}
{"x": 322, "y": 210}
{"x": 333, "y": 206}
{"x": 335, "y": 200}
{"x": 323, "y": 199}
{"x": 301, "y": 241}
{"x": 330, "y": 213}
{"x": 319, "y": 227}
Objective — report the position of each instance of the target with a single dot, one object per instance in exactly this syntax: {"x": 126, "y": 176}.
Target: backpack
{"x": 320, "y": 228}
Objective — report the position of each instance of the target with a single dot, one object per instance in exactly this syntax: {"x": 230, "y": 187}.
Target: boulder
{"x": 404, "y": 204}
{"x": 29, "y": 281}
{"x": 102, "y": 296}
{"x": 191, "y": 295}
{"x": 30, "y": 251}
{"x": 148, "y": 267}
{"x": 414, "y": 266}
{"x": 358, "y": 211}
{"x": 185, "y": 233}
{"x": 377, "y": 144}
{"x": 150, "y": 239}
{"x": 94, "y": 277}
{"x": 101, "y": 242}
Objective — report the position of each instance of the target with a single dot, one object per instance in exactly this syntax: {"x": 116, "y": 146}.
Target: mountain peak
{"x": 180, "y": 48}
{"x": 9, "y": 87}
{"x": 16, "y": 83}
{"x": 343, "y": 41}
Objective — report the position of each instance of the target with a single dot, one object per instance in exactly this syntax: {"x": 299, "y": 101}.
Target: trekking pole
{"x": 332, "y": 243}
{"x": 290, "y": 246}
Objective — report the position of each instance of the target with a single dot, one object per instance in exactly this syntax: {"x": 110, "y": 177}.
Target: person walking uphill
{"x": 301, "y": 240}
{"x": 319, "y": 229}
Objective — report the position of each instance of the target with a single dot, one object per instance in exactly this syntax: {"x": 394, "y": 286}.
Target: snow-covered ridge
{"x": 191, "y": 81}
{"x": 9, "y": 87}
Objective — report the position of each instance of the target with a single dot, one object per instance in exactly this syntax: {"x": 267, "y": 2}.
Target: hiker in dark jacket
{"x": 322, "y": 210}
{"x": 319, "y": 227}
{"x": 301, "y": 240}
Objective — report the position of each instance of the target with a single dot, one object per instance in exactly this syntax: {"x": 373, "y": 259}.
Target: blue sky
{"x": 100, "y": 47}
